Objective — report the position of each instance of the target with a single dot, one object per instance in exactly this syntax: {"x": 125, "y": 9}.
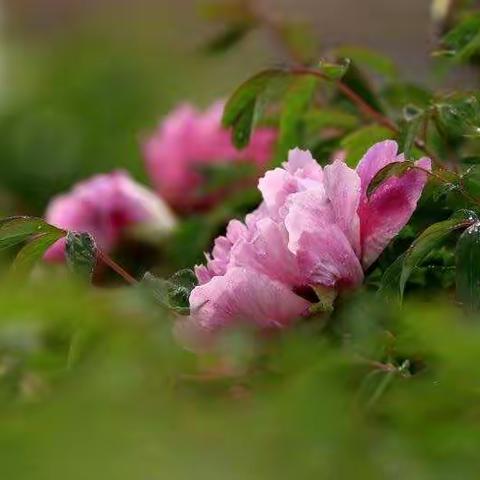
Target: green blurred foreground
{"x": 93, "y": 386}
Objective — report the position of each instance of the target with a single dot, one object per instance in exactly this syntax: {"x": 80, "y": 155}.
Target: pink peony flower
{"x": 315, "y": 228}
{"x": 188, "y": 140}
{"x": 105, "y": 206}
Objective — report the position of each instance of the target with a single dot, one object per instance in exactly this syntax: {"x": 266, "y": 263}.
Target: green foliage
{"x": 15, "y": 230}
{"x": 174, "y": 292}
{"x": 296, "y": 103}
{"x": 81, "y": 253}
{"x": 463, "y": 41}
{"x": 413, "y": 119}
{"x": 468, "y": 267}
{"x": 334, "y": 71}
{"x": 430, "y": 239}
{"x": 241, "y": 109}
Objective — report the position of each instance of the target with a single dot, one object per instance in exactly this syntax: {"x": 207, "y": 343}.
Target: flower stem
{"x": 116, "y": 268}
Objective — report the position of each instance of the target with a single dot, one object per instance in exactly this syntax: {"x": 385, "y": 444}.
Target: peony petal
{"x": 323, "y": 250}
{"x": 389, "y": 209}
{"x": 377, "y": 157}
{"x": 342, "y": 185}
{"x": 267, "y": 252}
{"x": 244, "y": 296}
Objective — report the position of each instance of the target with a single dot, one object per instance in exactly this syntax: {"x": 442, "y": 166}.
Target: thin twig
{"x": 116, "y": 268}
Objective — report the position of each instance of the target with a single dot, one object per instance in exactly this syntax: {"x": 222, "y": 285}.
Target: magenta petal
{"x": 342, "y": 185}
{"x": 389, "y": 209}
{"x": 377, "y": 157}
{"x": 244, "y": 296}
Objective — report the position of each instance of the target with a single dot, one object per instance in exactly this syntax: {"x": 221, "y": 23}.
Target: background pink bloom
{"x": 105, "y": 206}
{"x": 315, "y": 227}
{"x": 187, "y": 140}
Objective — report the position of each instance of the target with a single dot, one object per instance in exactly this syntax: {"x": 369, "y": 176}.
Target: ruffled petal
{"x": 342, "y": 185}
{"x": 267, "y": 252}
{"x": 324, "y": 252}
{"x": 244, "y": 296}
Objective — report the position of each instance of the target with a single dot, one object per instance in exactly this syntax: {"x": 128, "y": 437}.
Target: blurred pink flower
{"x": 105, "y": 206}
{"x": 315, "y": 228}
{"x": 188, "y": 140}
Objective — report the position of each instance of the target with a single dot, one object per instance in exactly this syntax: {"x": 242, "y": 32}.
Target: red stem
{"x": 116, "y": 268}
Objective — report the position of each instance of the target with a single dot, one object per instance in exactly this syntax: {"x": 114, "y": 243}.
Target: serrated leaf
{"x": 292, "y": 122}
{"x": 432, "y": 237}
{"x": 240, "y": 110}
{"x": 459, "y": 116}
{"x": 34, "y": 251}
{"x": 368, "y": 58}
{"x": 394, "y": 169}
{"x": 81, "y": 253}
{"x": 14, "y": 230}
{"x": 358, "y": 142}
{"x": 173, "y": 293}
{"x": 468, "y": 267}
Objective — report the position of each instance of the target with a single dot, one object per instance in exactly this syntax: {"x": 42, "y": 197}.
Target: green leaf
{"x": 432, "y": 237}
{"x": 292, "y": 121}
{"x": 334, "y": 71}
{"x": 394, "y": 169}
{"x": 463, "y": 41}
{"x": 459, "y": 116}
{"x": 240, "y": 110}
{"x": 173, "y": 293}
{"x": 81, "y": 253}
{"x": 358, "y": 142}
{"x": 368, "y": 58}
{"x": 468, "y": 267}
{"x": 329, "y": 117}
{"x": 33, "y": 252}
{"x": 14, "y": 230}
{"x": 413, "y": 118}
{"x": 228, "y": 38}
{"x": 399, "y": 94}
{"x": 390, "y": 281}
{"x": 355, "y": 79}
{"x": 471, "y": 181}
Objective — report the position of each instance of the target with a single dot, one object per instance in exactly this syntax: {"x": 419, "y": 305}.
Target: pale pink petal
{"x": 267, "y": 252}
{"x": 388, "y": 210}
{"x": 342, "y": 186}
{"x": 324, "y": 253}
{"x": 106, "y": 206}
{"x": 244, "y": 296}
